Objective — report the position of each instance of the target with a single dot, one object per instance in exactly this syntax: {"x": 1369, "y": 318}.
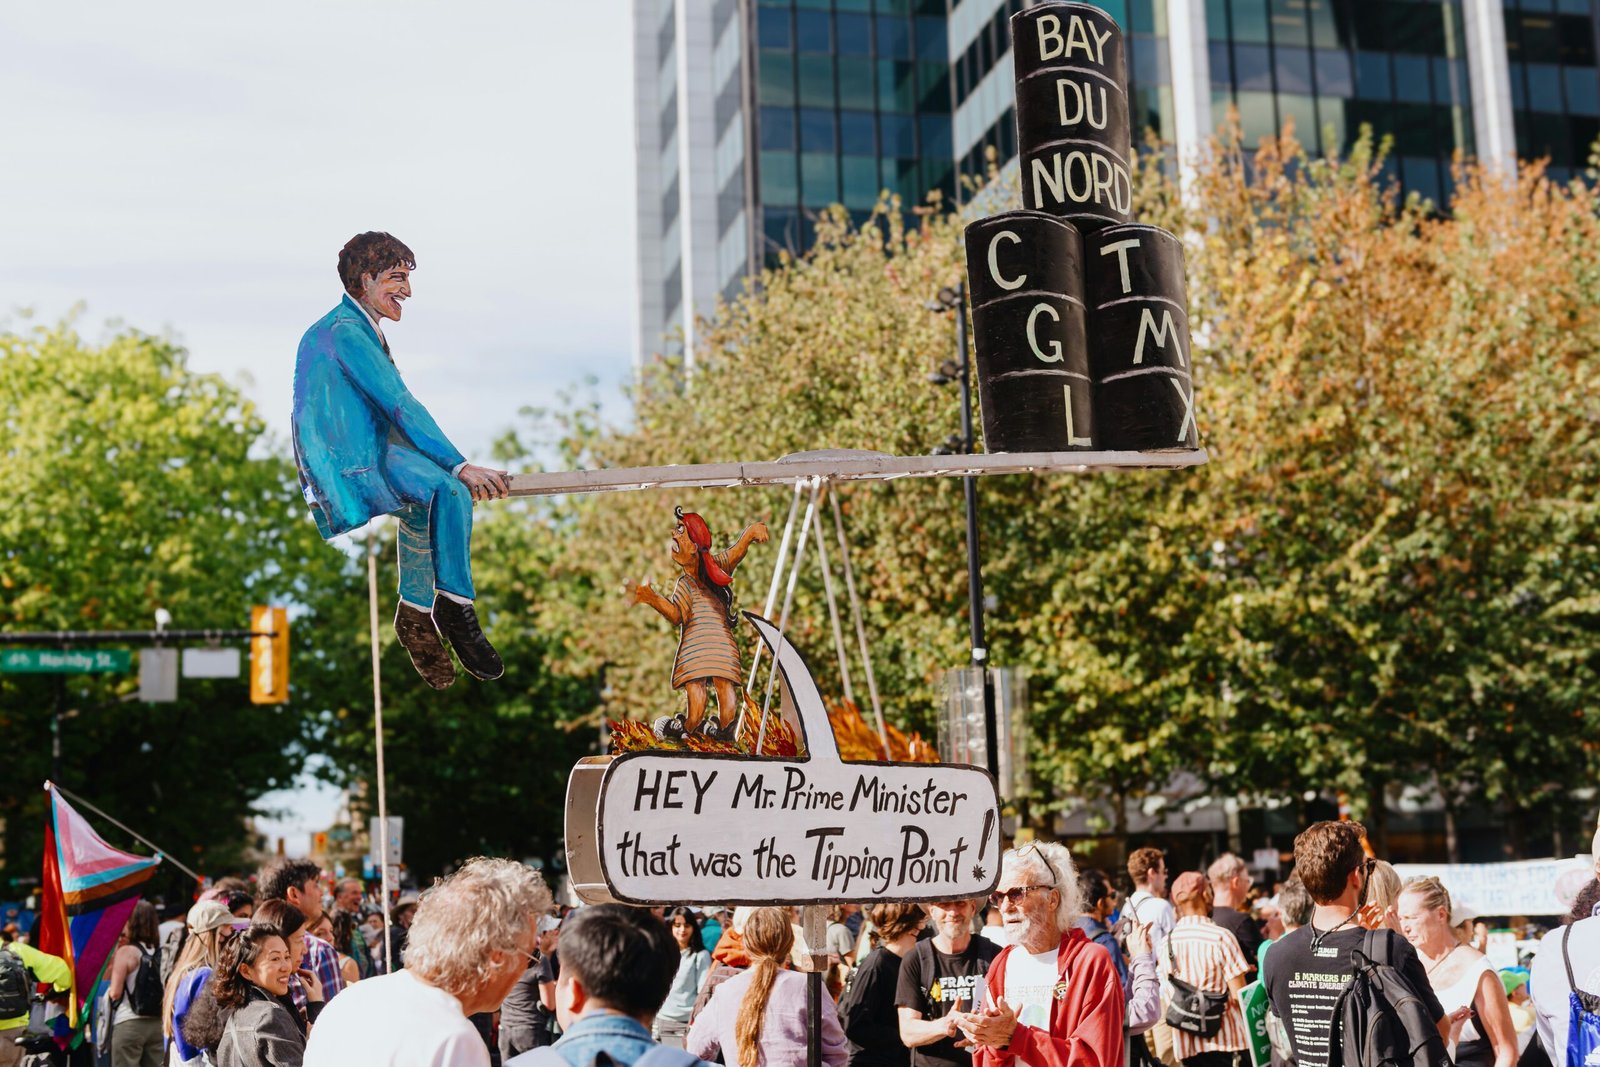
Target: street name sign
{"x": 65, "y": 661}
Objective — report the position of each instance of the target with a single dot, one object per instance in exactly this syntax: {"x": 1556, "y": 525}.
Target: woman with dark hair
{"x": 758, "y": 1017}
{"x": 867, "y": 1011}
{"x": 135, "y": 979}
{"x": 286, "y": 920}
{"x": 251, "y": 981}
{"x": 694, "y": 964}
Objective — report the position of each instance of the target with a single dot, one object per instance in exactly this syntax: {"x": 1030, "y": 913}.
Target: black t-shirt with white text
{"x": 1304, "y": 982}
{"x": 931, "y": 982}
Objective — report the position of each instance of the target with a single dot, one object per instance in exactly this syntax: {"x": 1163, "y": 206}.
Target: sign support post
{"x": 377, "y": 727}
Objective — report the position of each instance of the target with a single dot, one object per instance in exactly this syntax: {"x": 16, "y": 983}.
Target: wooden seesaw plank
{"x": 841, "y": 465}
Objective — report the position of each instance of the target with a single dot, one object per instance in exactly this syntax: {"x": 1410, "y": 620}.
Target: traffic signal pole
{"x": 70, "y": 638}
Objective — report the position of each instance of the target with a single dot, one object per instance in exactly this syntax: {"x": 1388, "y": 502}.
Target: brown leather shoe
{"x": 420, "y": 638}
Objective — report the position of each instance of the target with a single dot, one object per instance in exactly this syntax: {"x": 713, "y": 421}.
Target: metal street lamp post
{"x": 960, "y": 371}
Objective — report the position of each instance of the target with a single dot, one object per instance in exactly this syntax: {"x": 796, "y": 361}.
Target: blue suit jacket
{"x": 348, "y": 399}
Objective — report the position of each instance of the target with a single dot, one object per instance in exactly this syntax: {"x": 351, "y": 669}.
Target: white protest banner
{"x": 662, "y": 827}
{"x": 1522, "y": 887}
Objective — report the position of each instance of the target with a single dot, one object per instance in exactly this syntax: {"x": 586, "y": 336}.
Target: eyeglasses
{"x": 1014, "y": 894}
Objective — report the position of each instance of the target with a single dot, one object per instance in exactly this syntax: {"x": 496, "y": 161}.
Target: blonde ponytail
{"x": 768, "y": 938}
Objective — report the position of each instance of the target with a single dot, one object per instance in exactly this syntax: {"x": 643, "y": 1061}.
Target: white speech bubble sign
{"x": 736, "y": 829}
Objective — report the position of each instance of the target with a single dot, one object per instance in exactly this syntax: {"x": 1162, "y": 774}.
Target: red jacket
{"x": 1085, "y": 1020}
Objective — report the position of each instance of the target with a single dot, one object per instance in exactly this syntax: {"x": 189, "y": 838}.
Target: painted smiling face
{"x": 383, "y": 292}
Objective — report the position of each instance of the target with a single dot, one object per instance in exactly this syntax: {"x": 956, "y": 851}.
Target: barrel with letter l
{"x": 1073, "y": 138}
{"x": 1138, "y": 317}
{"x": 1025, "y": 276}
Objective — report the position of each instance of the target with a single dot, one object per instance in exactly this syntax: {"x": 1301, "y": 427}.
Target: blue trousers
{"x": 434, "y": 549}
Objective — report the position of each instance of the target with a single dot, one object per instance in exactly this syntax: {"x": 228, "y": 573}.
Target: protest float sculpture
{"x": 1080, "y": 315}
{"x": 658, "y": 826}
{"x": 366, "y": 447}
{"x": 701, "y": 607}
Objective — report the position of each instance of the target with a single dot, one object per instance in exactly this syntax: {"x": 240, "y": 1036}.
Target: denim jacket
{"x": 620, "y": 1037}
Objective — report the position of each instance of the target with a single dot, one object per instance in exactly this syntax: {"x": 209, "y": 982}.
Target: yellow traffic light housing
{"x": 269, "y": 656}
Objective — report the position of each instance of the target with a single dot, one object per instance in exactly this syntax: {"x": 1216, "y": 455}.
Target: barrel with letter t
{"x": 1072, "y": 113}
{"x": 1138, "y": 316}
{"x": 1025, "y": 274}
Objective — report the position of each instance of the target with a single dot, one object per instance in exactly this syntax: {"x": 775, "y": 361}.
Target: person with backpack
{"x": 21, "y": 968}
{"x": 1203, "y": 965}
{"x": 1466, "y": 983}
{"x": 941, "y": 975}
{"x": 1341, "y": 992}
{"x": 136, "y": 990}
{"x": 1564, "y": 982}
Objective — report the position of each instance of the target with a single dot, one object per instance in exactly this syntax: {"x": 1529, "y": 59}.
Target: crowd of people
{"x": 1061, "y": 968}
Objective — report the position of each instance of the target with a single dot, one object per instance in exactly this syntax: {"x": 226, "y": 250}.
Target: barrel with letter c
{"x": 1025, "y": 276}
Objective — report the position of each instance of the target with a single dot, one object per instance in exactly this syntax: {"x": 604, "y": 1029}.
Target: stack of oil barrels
{"x": 1079, "y": 313}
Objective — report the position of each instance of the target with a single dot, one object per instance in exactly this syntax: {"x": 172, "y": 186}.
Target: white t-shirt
{"x": 1547, "y": 982}
{"x": 1157, "y": 913}
{"x": 1031, "y": 979}
{"x": 395, "y": 1020}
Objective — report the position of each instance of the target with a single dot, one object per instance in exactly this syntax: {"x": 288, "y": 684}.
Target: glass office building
{"x": 752, "y": 115}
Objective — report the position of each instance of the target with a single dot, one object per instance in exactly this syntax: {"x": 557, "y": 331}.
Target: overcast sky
{"x": 193, "y": 169}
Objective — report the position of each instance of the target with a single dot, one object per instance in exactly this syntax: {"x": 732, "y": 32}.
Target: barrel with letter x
{"x": 1138, "y": 317}
{"x": 1025, "y": 274}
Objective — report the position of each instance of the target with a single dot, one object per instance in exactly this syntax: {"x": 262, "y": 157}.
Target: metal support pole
{"x": 377, "y": 728}
{"x": 980, "y": 653}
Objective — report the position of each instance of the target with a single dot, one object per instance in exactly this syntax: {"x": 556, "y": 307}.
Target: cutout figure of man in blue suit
{"x": 367, "y": 447}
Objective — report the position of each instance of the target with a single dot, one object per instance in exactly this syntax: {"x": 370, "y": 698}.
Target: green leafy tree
{"x": 136, "y": 484}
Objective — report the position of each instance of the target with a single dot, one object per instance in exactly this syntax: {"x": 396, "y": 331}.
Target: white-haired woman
{"x": 470, "y": 942}
{"x": 1052, "y": 995}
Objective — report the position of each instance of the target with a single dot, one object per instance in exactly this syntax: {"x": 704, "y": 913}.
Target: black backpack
{"x": 16, "y": 985}
{"x": 145, "y": 994}
{"x": 1379, "y": 1020}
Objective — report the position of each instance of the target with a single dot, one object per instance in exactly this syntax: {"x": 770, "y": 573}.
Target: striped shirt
{"x": 1208, "y": 958}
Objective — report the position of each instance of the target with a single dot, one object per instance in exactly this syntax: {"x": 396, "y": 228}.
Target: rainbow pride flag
{"x": 90, "y": 889}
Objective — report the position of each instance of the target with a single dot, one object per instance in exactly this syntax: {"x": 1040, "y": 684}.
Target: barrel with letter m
{"x": 1139, "y": 320}
{"x": 1025, "y": 274}
{"x": 1073, "y": 138}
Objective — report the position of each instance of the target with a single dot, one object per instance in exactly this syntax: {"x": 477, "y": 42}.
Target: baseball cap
{"x": 548, "y": 923}
{"x": 1190, "y": 884}
{"x": 209, "y": 915}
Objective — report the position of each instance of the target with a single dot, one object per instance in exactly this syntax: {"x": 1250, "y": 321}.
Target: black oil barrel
{"x": 1138, "y": 317}
{"x": 1073, "y": 138}
{"x": 1025, "y": 276}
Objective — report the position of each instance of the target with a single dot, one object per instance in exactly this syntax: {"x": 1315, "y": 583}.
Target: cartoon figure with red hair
{"x": 701, "y": 606}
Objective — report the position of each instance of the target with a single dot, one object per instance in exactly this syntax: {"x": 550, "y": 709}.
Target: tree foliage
{"x": 134, "y": 484}
{"x": 1385, "y": 577}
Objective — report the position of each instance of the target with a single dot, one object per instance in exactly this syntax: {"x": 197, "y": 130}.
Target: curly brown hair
{"x": 1324, "y": 855}
{"x": 372, "y": 253}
